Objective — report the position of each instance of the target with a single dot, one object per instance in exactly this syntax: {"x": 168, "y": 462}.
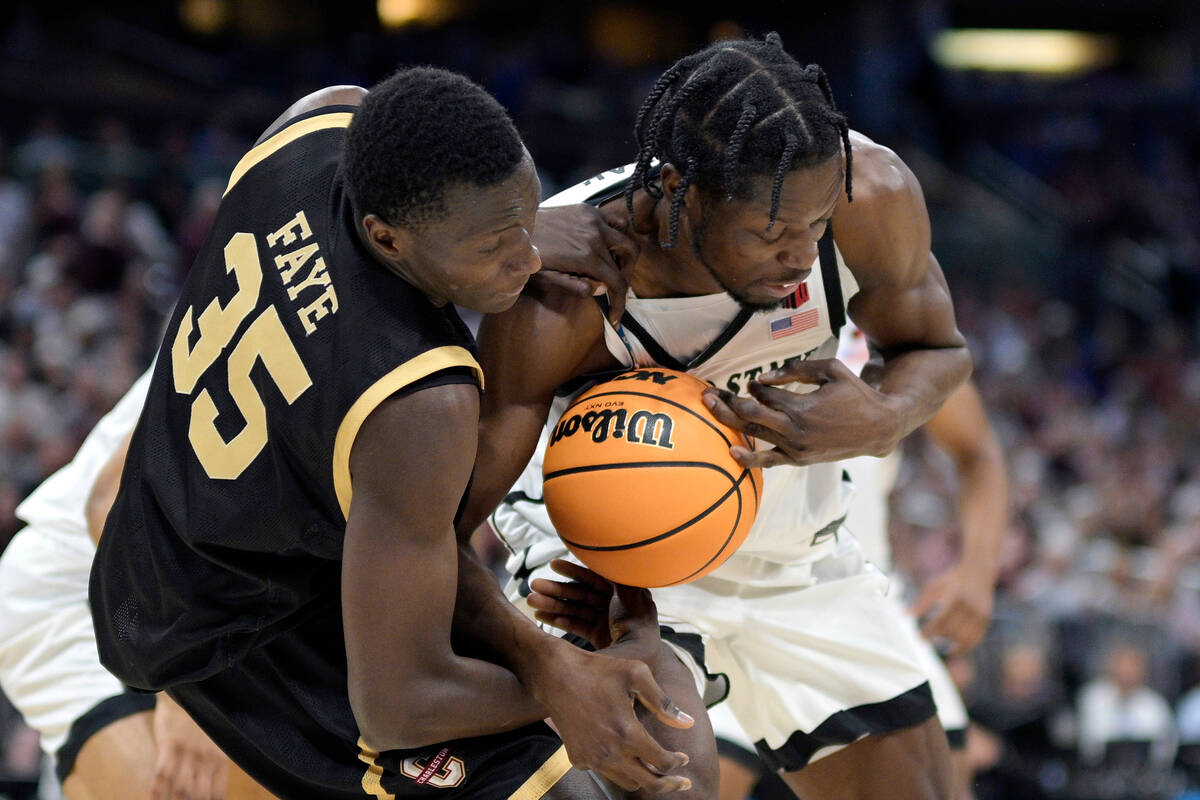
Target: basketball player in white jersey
{"x": 107, "y": 742}
{"x": 766, "y": 224}
{"x": 956, "y": 606}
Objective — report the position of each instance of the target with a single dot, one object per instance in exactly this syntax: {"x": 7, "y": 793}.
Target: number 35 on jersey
{"x": 303, "y": 272}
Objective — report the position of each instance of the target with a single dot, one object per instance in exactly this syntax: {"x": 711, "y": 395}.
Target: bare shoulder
{"x": 329, "y": 96}
{"x": 884, "y": 232}
{"x": 549, "y": 336}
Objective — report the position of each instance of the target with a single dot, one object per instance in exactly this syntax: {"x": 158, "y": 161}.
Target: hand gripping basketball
{"x": 640, "y": 483}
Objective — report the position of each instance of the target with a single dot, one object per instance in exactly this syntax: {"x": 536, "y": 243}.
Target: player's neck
{"x": 662, "y": 271}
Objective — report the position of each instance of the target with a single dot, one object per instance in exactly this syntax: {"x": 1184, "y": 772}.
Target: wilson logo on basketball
{"x": 641, "y": 427}
{"x": 648, "y": 516}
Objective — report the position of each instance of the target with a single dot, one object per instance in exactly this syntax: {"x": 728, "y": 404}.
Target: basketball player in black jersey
{"x": 745, "y": 166}
{"x": 281, "y": 553}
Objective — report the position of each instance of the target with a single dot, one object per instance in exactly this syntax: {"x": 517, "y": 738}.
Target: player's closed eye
{"x": 772, "y": 240}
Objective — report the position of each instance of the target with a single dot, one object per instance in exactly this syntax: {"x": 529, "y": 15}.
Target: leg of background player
{"x": 963, "y": 775}
{"x": 117, "y": 763}
{"x": 736, "y": 780}
{"x": 913, "y": 763}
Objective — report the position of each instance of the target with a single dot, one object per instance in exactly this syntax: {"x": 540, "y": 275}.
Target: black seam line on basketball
{"x": 680, "y": 406}
{"x": 716, "y": 504}
{"x": 558, "y": 473}
{"x": 737, "y": 521}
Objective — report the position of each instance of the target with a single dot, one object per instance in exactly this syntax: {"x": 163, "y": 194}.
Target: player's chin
{"x": 760, "y": 299}
{"x": 498, "y": 301}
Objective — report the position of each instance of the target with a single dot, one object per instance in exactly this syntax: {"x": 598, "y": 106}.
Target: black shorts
{"x": 282, "y": 714}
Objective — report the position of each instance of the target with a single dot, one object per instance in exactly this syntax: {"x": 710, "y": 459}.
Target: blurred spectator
{"x": 1119, "y": 708}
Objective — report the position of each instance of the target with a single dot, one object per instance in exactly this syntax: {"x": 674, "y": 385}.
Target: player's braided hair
{"x": 736, "y": 110}
{"x": 419, "y": 132}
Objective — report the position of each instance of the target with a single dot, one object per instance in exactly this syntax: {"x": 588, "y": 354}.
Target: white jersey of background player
{"x": 49, "y": 666}
{"x": 43, "y": 602}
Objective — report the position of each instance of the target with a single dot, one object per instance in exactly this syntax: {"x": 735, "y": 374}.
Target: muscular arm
{"x": 548, "y": 337}
{"x": 903, "y": 307}
{"x": 961, "y": 429}
{"x": 408, "y": 688}
{"x": 961, "y": 600}
{"x": 520, "y": 389}
{"x": 903, "y": 304}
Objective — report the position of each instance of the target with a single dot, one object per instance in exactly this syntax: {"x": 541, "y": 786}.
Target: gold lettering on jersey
{"x": 217, "y": 323}
{"x": 265, "y": 341}
{"x": 291, "y": 263}
{"x": 326, "y": 303}
{"x": 318, "y": 276}
{"x": 287, "y": 234}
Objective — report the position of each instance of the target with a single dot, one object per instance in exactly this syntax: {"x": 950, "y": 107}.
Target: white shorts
{"x": 951, "y": 710}
{"x": 810, "y": 669}
{"x": 731, "y": 737}
{"x": 49, "y": 666}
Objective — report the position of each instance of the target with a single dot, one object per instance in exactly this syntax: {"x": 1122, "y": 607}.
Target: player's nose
{"x": 530, "y": 260}
{"x": 799, "y": 255}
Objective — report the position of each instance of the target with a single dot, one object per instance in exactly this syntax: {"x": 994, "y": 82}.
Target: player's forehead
{"x": 474, "y": 210}
{"x": 806, "y": 194}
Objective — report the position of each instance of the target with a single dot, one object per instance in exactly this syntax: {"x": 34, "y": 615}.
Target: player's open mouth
{"x": 784, "y": 289}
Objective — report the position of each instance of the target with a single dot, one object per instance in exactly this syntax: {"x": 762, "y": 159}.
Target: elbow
{"x": 401, "y": 721}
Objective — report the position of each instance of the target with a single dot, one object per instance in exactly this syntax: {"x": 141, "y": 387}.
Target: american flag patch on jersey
{"x": 795, "y": 323}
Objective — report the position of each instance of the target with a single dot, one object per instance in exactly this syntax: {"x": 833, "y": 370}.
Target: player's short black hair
{"x": 419, "y": 132}
{"x": 735, "y": 110}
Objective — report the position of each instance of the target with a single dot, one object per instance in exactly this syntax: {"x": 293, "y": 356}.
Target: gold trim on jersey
{"x": 546, "y": 776}
{"x": 414, "y": 369}
{"x": 372, "y": 779}
{"x": 337, "y": 119}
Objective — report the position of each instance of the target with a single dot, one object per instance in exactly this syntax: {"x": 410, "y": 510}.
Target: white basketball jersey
{"x": 712, "y": 338}
{"x": 58, "y": 505}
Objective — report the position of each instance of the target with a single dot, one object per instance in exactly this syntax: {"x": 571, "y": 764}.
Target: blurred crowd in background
{"x": 1065, "y": 214}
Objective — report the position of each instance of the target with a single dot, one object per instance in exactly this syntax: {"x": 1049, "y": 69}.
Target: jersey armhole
{"x": 438, "y": 361}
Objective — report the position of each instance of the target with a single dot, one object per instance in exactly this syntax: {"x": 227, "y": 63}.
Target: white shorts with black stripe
{"x": 810, "y": 667}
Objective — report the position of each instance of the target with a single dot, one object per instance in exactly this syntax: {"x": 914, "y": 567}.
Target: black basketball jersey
{"x": 218, "y": 575}
{"x": 286, "y": 336}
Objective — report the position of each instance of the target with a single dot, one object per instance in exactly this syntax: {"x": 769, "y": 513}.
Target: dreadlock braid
{"x": 735, "y": 111}
{"x": 677, "y": 201}
{"x": 736, "y": 141}
{"x": 789, "y": 151}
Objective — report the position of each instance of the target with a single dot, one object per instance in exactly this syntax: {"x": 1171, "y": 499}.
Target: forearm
{"x": 983, "y": 510}
{"x": 483, "y": 615}
{"x": 917, "y": 382}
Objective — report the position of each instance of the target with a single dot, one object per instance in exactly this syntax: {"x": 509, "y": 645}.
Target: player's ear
{"x": 390, "y": 242}
{"x": 671, "y": 177}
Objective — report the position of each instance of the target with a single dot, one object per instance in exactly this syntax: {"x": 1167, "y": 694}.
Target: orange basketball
{"x": 639, "y": 482}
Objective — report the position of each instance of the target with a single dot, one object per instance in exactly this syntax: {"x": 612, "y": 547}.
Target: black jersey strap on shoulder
{"x": 832, "y": 279}
{"x": 660, "y": 354}
{"x": 618, "y": 188}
